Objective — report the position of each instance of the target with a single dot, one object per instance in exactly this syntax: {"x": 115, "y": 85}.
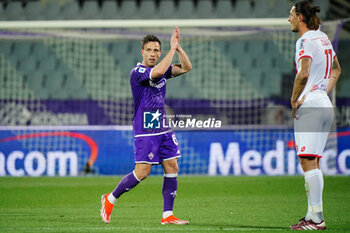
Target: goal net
{"x": 77, "y": 72}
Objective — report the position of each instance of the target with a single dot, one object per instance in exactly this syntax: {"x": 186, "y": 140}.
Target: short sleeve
{"x": 168, "y": 73}
{"x": 334, "y": 53}
{"x": 141, "y": 74}
{"x": 305, "y": 49}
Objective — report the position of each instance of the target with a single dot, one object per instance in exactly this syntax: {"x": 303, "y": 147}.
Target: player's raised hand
{"x": 174, "y": 41}
{"x": 178, "y": 37}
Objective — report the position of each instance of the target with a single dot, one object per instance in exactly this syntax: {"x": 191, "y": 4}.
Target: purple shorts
{"x": 156, "y": 148}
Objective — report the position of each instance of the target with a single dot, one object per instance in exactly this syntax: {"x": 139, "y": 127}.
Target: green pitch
{"x": 212, "y": 204}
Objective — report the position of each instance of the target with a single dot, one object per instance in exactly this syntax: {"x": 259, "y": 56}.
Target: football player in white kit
{"x": 318, "y": 70}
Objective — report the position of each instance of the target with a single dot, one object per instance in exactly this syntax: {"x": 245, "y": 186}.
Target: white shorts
{"x": 315, "y": 117}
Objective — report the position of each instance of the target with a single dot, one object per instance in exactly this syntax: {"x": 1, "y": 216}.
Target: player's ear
{"x": 300, "y": 17}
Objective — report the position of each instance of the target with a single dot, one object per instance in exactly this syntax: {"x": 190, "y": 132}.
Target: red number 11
{"x": 328, "y": 53}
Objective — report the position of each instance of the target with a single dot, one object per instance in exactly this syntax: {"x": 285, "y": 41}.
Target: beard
{"x": 295, "y": 29}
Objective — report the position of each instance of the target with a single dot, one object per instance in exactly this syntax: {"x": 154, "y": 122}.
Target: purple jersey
{"x": 149, "y": 100}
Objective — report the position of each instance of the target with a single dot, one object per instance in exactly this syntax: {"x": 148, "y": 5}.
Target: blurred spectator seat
{"x": 110, "y": 10}
{"x": 167, "y": 9}
{"x": 147, "y": 9}
{"x": 51, "y": 11}
{"x": 128, "y": 9}
{"x": 224, "y": 9}
{"x": 33, "y": 11}
{"x": 14, "y": 11}
{"x": 185, "y": 10}
{"x": 205, "y": 9}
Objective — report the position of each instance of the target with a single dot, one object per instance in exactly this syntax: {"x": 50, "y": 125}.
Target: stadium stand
{"x": 224, "y": 9}
{"x": 205, "y": 9}
{"x": 148, "y": 9}
{"x": 14, "y": 11}
{"x": 51, "y": 11}
{"x": 110, "y": 10}
{"x": 186, "y": 9}
{"x": 129, "y": 10}
{"x": 39, "y": 60}
{"x": 34, "y": 11}
{"x": 71, "y": 10}
{"x": 90, "y": 10}
{"x": 167, "y": 9}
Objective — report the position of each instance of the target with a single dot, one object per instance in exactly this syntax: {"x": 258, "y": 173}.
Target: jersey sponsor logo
{"x": 319, "y": 87}
{"x": 151, "y": 120}
{"x": 157, "y": 85}
{"x": 301, "y": 52}
{"x": 142, "y": 70}
{"x": 12, "y": 113}
{"x": 325, "y": 42}
{"x": 37, "y": 163}
{"x": 302, "y": 149}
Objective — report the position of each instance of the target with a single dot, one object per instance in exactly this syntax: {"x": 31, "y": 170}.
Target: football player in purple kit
{"x": 153, "y": 143}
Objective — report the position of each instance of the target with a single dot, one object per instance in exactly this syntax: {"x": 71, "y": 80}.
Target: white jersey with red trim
{"x": 317, "y": 46}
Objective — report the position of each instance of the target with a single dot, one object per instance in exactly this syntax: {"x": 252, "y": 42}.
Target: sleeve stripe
{"x": 304, "y": 56}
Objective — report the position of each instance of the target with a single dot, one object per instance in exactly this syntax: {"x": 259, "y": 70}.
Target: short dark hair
{"x": 309, "y": 11}
{"x": 150, "y": 38}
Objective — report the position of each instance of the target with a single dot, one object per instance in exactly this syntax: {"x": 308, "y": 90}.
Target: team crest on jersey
{"x": 142, "y": 70}
{"x": 301, "y": 52}
{"x": 150, "y": 156}
{"x": 302, "y": 149}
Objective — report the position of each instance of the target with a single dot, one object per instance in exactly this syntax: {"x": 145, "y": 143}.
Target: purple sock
{"x": 169, "y": 192}
{"x": 126, "y": 184}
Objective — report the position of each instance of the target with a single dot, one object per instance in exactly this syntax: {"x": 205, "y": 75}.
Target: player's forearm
{"x": 335, "y": 73}
{"x": 299, "y": 85}
{"x": 164, "y": 65}
{"x": 301, "y": 78}
{"x": 184, "y": 60}
{"x": 333, "y": 80}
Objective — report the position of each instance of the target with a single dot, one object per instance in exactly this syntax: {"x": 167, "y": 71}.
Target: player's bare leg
{"x": 314, "y": 187}
{"x": 126, "y": 184}
{"x": 142, "y": 170}
{"x": 169, "y": 193}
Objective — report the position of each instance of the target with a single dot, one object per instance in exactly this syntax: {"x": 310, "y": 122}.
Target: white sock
{"x": 112, "y": 199}
{"x": 314, "y": 184}
{"x": 308, "y": 215}
{"x": 167, "y": 214}
{"x": 322, "y": 181}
